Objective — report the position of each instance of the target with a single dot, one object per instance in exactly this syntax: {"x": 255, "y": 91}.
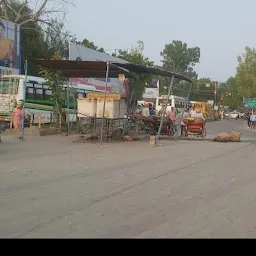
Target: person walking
{"x": 248, "y": 115}
{"x": 253, "y": 120}
{"x": 17, "y": 116}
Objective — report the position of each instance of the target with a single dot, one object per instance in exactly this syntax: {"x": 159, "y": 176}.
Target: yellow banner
{"x": 100, "y": 96}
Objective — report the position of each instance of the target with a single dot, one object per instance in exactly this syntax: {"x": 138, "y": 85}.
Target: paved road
{"x": 51, "y": 187}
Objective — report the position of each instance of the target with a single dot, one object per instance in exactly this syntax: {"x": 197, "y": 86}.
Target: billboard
{"x": 10, "y": 55}
{"x": 250, "y": 103}
{"x": 79, "y": 52}
{"x": 151, "y": 90}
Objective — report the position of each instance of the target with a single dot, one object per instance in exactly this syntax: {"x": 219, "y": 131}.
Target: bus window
{"x": 30, "y": 93}
{"x": 39, "y": 94}
{"x": 47, "y": 94}
{"x": 162, "y": 102}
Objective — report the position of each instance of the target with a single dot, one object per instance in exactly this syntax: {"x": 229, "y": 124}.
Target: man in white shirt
{"x": 192, "y": 111}
{"x": 253, "y": 120}
{"x": 145, "y": 111}
{"x": 198, "y": 114}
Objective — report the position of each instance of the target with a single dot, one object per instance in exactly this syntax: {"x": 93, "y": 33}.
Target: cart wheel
{"x": 186, "y": 132}
{"x": 203, "y": 132}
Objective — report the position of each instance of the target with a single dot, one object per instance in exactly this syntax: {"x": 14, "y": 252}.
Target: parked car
{"x": 234, "y": 115}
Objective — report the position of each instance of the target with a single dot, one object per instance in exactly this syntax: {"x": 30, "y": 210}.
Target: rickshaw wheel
{"x": 203, "y": 132}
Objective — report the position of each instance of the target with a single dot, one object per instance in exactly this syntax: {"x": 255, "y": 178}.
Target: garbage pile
{"x": 225, "y": 137}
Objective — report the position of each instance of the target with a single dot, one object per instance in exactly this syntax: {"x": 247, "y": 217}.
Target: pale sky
{"x": 221, "y": 28}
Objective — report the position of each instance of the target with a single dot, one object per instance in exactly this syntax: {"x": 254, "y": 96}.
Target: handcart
{"x": 195, "y": 126}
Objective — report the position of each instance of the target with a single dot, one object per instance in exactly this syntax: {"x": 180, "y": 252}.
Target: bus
{"x": 200, "y": 105}
{"x": 38, "y": 97}
{"x": 179, "y": 103}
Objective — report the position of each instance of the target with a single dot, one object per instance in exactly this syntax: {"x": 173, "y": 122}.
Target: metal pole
{"x": 188, "y": 96}
{"x": 68, "y": 107}
{"x": 216, "y": 94}
{"x": 162, "y": 119}
{"x": 24, "y": 99}
{"x": 104, "y": 104}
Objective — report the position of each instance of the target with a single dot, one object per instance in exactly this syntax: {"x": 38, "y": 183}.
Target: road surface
{"x": 51, "y": 187}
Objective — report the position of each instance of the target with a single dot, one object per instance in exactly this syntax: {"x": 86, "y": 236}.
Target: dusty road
{"x": 51, "y": 187}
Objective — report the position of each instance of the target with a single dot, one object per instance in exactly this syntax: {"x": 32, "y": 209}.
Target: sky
{"x": 221, "y": 28}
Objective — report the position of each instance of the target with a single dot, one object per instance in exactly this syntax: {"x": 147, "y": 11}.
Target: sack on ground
{"x": 235, "y": 136}
{"x": 222, "y": 137}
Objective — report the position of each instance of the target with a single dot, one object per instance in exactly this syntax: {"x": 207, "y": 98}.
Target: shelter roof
{"x": 71, "y": 68}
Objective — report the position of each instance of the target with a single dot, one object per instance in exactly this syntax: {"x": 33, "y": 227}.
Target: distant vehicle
{"x": 179, "y": 103}
{"x": 234, "y": 115}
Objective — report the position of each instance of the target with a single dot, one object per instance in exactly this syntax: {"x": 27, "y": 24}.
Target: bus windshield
{"x": 9, "y": 86}
{"x": 162, "y": 102}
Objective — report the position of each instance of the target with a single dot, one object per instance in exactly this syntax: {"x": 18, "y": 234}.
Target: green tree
{"x": 232, "y": 98}
{"x": 57, "y": 39}
{"x": 246, "y": 73}
{"x": 41, "y": 37}
{"x": 179, "y": 58}
{"x": 55, "y": 80}
{"x": 90, "y": 45}
{"x": 135, "y": 55}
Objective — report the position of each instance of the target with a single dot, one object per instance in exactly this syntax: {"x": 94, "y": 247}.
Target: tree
{"x": 90, "y": 45}
{"x": 246, "y": 73}
{"x": 55, "y": 80}
{"x": 232, "y": 98}
{"x": 138, "y": 84}
{"x": 25, "y": 11}
{"x": 179, "y": 58}
{"x": 57, "y": 39}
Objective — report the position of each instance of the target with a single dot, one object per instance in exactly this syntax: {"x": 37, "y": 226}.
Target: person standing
{"x": 17, "y": 116}
{"x": 222, "y": 115}
{"x": 145, "y": 111}
{"x": 248, "y": 115}
{"x": 171, "y": 115}
{"x": 182, "y": 124}
{"x": 253, "y": 120}
{"x": 198, "y": 114}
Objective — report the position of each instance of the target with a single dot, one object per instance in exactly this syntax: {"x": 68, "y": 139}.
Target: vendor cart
{"x": 195, "y": 126}
{"x": 152, "y": 123}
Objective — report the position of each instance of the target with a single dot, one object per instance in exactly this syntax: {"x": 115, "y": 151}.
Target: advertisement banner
{"x": 10, "y": 55}
{"x": 250, "y": 103}
{"x": 79, "y": 52}
{"x": 151, "y": 93}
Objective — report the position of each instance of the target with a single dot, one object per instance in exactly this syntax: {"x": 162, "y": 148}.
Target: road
{"x": 51, "y": 187}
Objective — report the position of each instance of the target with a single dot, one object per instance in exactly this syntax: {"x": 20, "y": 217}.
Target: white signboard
{"x": 151, "y": 93}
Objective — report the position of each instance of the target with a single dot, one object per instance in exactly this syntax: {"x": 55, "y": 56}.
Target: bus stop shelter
{"x": 101, "y": 69}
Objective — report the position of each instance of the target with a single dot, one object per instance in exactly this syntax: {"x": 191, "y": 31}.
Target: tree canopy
{"x": 44, "y": 35}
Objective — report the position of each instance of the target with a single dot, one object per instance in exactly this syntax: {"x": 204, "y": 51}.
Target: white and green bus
{"x": 38, "y": 97}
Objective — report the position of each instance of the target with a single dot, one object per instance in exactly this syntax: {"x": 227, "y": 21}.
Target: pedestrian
{"x": 253, "y": 120}
{"x": 198, "y": 114}
{"x": 182, "y": 124}
{"x": 248, "y": 115}
{"x": 17, "y": 116}
{"x": 171, "y": 115}
{"x": 145, "y": 111}
{"x": 221, "y": 115}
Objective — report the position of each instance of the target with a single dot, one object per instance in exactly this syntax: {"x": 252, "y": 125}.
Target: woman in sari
{"x": 17, "y": 116}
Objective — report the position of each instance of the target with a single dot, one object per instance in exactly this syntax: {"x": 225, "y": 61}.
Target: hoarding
{"x": 150, "y": 93}
{"x": 151, "y": 90}
{"x": 250, "y": 103}
{"x": 79, "y": 52}
{"x": 10, "y": 54}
